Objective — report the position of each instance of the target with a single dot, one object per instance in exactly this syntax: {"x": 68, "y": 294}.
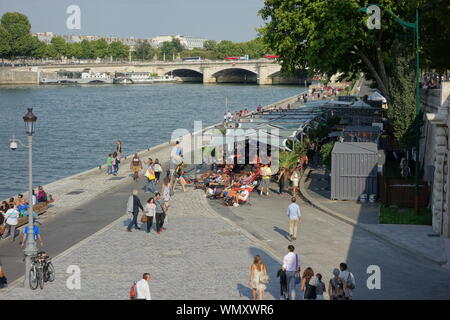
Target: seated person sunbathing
{"x": 241, "y": 196}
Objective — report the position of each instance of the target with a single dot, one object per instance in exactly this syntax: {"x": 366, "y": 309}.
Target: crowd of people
{"x": 340, "y": 286}
{"x": 229, "y": 116}
{"x": 113, "y": 160}
{"x": 14, "y": 209}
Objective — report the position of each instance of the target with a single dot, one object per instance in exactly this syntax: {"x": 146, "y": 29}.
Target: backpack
{"x": 133, "y": 293}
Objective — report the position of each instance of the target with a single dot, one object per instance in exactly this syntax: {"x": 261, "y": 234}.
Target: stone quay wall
{"x": 435, "y": 152}
{"x": 15, "y": 77}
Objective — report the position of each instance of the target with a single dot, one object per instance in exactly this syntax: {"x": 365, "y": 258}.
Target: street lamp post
{"x": 415, "y": 27}
{"x": 30, "y": 248}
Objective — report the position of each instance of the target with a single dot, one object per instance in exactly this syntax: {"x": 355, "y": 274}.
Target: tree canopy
{"x": 16, "y": 39}
{"x": 331, "y": 36}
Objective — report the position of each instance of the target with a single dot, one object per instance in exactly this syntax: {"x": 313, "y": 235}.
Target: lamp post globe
{"x": 30, "y": 121}
{"x": 30, "y": 247}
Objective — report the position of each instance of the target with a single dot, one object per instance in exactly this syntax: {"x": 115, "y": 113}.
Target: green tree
{"x": 331, "y": 36}
{"x": 143, "y": 50}
{"x": 254, "y": 48}
{"x": 118, "y": 50}
{"x": 16, "y": 34}
{"x": 326, "y": 154}
{"x": 227, "y": 48}
{"x": 5, "y": 47}
{"x": 100, "y": 48}
{"x": 171, "y": 48}
{"x": 39, "y": 49}
{"x": 88, "y": 49}
{"x": 75, "y": 50}
{"x": 177, "y": 46}
{"x": 402, "y": 110}
{"x": 210, "y": 45}
{"x": 434, "y": 33}
{"x": 60, "y": 46}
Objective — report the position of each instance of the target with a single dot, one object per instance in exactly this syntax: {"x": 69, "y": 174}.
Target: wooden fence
{"x": 401, "y": 193}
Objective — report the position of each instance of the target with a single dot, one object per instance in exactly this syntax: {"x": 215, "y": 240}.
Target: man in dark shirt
{"x": 134, "y": 204}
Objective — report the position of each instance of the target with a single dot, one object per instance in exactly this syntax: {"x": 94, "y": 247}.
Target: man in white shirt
{"x": 348, "y": 279}
{"x": 142, "y": 288}
{"x": 11, "y": 221}
{"x": 291, "y": 265}
{"x": 176, "y": 155}
{"x": 294, "y": 214}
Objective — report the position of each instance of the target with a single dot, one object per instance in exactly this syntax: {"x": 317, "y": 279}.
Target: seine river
{"x": 78, "y": 125}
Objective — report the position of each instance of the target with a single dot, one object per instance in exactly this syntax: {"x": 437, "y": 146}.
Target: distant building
{"x": 188, "y": 42}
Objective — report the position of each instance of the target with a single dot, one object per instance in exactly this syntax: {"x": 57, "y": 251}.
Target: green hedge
{"x": 406, "y": 216}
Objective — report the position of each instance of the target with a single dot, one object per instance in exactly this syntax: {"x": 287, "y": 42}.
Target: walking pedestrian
{"x": 136, "y": 165}
{"x": 166, "y": 195}
{"x": 158, "y": 169}
{"x": 176, "y": 154}
{"x": 12, "y": 219}
{"x": 291, "y": 265}
{"x": 348, "y": 280}
{"x": 133, "y": 206}
{"x": 308, "y": 286}
{"x": 258, "y": 277}
{"x": 336, "y": 286}
{"x": 294, "y": 214}
{"x": 151, "y": 178}
{"x": 37, "y": 235}
{"x": 142, "y": 288}
{"x": 171, "y": 171}
{"x": 320, "y": 287}
{"x": 295, "y": 178}
{"x": 149, "y": 211}
{"x": 281, "y": 180}
{"x": 179, "y": 177}
{"x": 160, "y": 215}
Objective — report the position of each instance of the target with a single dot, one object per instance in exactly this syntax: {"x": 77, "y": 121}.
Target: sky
{"x": 234, "y": 20}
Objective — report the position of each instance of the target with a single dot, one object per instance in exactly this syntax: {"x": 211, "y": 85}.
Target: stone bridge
{"x": 262, "y": 71}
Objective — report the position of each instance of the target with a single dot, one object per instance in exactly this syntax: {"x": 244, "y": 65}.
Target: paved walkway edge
{"x": 20, "y": 282}
{"x": 304, "y": 193}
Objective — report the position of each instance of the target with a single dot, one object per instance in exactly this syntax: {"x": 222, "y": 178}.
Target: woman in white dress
{"x": 295, "y": 177}
{"x": 258, "y": 277}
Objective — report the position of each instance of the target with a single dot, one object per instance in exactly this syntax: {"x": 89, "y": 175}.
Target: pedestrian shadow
{"x": 284, "y": 233}
{"x": 244, "y": 291}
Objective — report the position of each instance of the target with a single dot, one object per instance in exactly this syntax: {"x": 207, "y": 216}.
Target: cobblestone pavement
{"x": 200, "y": 256}
{"x": 324, "y": 241}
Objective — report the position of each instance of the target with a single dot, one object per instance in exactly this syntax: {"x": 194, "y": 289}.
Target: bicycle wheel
{"x": 33, "y": 278}
{"x": 40, "y": 276}
{"x": 50, "y": 272}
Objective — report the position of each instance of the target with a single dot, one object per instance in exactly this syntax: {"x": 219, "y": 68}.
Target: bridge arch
{"x": 297, "y": 78}
{"x": 236, "y": 75}
{"x": 186, "y": 75}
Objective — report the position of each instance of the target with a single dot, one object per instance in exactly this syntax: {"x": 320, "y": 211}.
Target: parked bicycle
{"x": 41, "y": 271}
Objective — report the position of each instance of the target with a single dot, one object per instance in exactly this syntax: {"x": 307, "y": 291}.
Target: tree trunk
{"x": 382, "y": 86}
{"x": 382, "y": 69}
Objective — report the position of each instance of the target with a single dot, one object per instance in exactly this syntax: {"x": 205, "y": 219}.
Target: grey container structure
{"x": 353, "y": 170}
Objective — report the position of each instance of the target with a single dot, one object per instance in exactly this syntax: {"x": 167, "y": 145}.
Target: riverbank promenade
{"x": 208, "y": 248}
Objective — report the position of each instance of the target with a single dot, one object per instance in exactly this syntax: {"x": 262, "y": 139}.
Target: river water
{"x": 78, "y": 125}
